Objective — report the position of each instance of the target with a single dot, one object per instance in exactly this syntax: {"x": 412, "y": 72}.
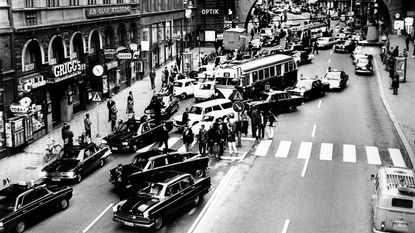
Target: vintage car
{"x": 163, "y": 194}
{"x": 75, "y": 162}
{"x": 205, "y": 91}
{"x": 126, "y": 177}
{"x": 335, "y": 79}
{"x": 167, "y": 104}
{"x": 307, "y": 88}
{"x": 363, "y": 66}
{"x": 326, "y": 42}
{"x": 270, "y": 40}
{"x": 276, "y": 101}
{"x": 302, "y": 57}
{"x": 23, "y": 204}
{"x": 344, "y": 46}
{"x": 134, "y": 134}
{"x": 184, "y": 87}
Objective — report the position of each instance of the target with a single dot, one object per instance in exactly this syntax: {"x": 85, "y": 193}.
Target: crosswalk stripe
{"x": 172, "y": 141}
{"x": 263, "y": 147}
{"x": 326, "y": 151}
{"x": 396, "y": 156}
{"x": 373, "y": 156}
{"x": 183, "y": 148}
{"x": 283, "y": 149}
{"x": 305, "y": 150}
{"x": 349, "y": 153}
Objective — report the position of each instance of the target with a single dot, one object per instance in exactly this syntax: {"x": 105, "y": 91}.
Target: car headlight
{"x": 70, "y": 174}
{"x": 124, "y": 143}
{"x": 1, "y": 224}
{"x": 104, "y": 142}
{"x": 43, "y": 174}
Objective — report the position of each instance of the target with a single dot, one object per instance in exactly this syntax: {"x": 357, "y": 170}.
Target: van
{"x": 393, "y": 200}
{"x": 197, "y": 111}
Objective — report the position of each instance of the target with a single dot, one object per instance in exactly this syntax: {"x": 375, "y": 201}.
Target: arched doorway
{"x": 77, "y": 51}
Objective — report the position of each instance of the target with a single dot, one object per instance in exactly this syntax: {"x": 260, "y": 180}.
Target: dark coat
{"x": 255, "y": 120}
{"x": 188, "y": 136}
{"x": 395, "y": 81}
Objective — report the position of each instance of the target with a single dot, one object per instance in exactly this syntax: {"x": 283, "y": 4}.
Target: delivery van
{"x": 393, "y": 200}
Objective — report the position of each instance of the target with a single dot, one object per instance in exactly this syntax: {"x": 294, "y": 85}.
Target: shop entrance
{"x": 56, "y": 94}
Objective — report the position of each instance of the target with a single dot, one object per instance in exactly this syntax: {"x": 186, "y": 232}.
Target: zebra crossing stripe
{"x": 172, "y": 141}
{"x": 373, "y": 156}
{"x": 326, "y": 151}
{"x": 283, "y": 149}
{"x": 183, "y": 148}
{"x": 263, "y": 147}
{"x": 305, "y": 150}
{"x": 396, "y": 156}
{"x": 349, "y": 153}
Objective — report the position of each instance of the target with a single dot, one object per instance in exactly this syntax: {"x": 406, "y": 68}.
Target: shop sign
{"x": 409, "y": 20}
{"x": 104, "y": 84}
{"x": 134, "y": 46}
{"x": 124, "y": 56}
{"x": 33, "y": 82}
{"x": 67, "y": 70}
{"x": 227, "y": 24}
{"x": 29, "y": 67}
{"x": 17, "y": 108}
{"x": 109, "y": 53}
{"x": 111, "y": 65}
{"x": 398, "y": 24}
{"x": 210, "y": 11}
{"x": 107, "y": 11}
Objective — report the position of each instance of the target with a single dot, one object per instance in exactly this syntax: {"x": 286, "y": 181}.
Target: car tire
{"x": 63, "y": 204}
{"x": 158, "y": 222}
{"x": 20, "y": 226}
{"x": 198, "y": 199}
{"x": 101, "y": 162}
{"x": 199, "y": 173}
{"x": 183, "y": 95}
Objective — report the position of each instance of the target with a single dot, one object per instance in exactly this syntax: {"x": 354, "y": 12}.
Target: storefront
{"x": 2, "y": 123}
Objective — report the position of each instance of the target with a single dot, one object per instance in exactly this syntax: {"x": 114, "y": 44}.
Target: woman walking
{"x": 271, "y": 123}
{"x": 231, "y": 138}
{"x": 130, "y": 105}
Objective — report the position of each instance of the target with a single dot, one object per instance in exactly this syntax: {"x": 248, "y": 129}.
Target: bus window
{"x": 266, "y": 72}
{"x": 221, "y": 81}
{"x": 261, "y": 75}
{"x": 279, "y": 70}
{"x": 254, "y": 76}
{"x": 403, "y": 203}
{"x": 272, "y": 71}
{"x": 232, "y": 82}
{"x": 285, "y": 67}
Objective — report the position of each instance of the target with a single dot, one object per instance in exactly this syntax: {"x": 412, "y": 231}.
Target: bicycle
{"x": 52, "y": 151}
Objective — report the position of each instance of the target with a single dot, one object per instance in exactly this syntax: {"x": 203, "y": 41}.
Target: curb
{"x": 392, "y": 116}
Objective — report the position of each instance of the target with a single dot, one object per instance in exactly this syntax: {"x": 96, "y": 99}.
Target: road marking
{"x": 331, "y": 52}
{"x": 326, "y": 151}
{"x": 305, "y": 150}
{"x": 283, "y": 149}
{"x": 183, "y": 148}
{"x": 314, "y": 131}
{"x": 319, "y": 104}
{"x": 305, "y": 167}
{"x": 263, "y": 148}
{"x": 396, "y": 157}
{"x": 373, "y": 156}
{"x": 285, "y": 228}
{"x": 147, "y": 147}
{"x": 329, "y": 60}
{"x": 97, "y": 218}
{"x": 213, "y": 198}
{"x": 172, "y": 141}
{"x": 349, "y": 153}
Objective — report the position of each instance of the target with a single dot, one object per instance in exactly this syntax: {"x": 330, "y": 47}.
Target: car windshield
{"x": 362, "y": 62}
{"x": 177, "y": 84}
{"x": 205, "y": 86}
{"x": 207, "y": 118}
{"x": 263, "y": 96}
{"x": 154, "y": 189}
{"x": 304, "y": 84}
{"x": 196, "y": 110}
{"x": 70, "y": 154}
{"x": 333, "y": 76}
{"x": 140, "y": 162}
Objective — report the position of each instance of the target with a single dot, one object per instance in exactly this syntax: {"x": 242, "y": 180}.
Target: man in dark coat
{"x": 202, "y": 139}
{"x": 395, "y": 83}
{"x": 110, "y": 103}
{"x": 255, "y": 120}
{"x": 164, "y": 137}
{"x": 68, "y": 135}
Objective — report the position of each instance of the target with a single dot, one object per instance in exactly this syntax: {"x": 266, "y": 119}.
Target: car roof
{"x": 165, "y": 177}
{"x": 212, "y": 102}
{"x": 184, "y": 80}
{"x": 208, "y": 82}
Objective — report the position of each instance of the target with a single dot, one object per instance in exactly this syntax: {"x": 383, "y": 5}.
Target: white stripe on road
{"x": 172, "y": 141}
{"x": 97, "y": 218}
{"x": 305, "y": 167}
{"x": 331, "y": 52}
{"x": 183, "y": 148}
{"x": 349, "y": 153}
{"x": 263, "y": 148}
{"x": 314, "y": 131}
{"x": 329, "y": 60}
{"x": 285, "y": 228}
{"x": 373, "y": 156}
{"x": 326, "y": 151}
{"x": 305, "y": 150}
{"x": 396, "y": 156}
{"x": 144, "y": 149}
{"x": 319, "y": 104}
{"x": 283, "y": 149}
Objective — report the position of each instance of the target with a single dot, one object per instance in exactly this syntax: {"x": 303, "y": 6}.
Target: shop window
{"x": 120, "y": 1}
{"x": 107, "y": 2}
{"x": 73, "y": 2}
{"x": 52, "y": 3}
{"x": 31, "y": 18}
{"x": 28, "y": 3}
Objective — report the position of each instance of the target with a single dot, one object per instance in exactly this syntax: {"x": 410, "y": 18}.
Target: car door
{"x": 175, "y": 198}
{"x": 31, "y": 207}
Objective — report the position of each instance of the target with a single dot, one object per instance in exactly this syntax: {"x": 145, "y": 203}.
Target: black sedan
{"x": 163, "y": 194}
{"x": 344, "y": 46}
{"x": 21, "y": 205}
{"x": 134, "y": 134}
{"x": 166, "y": 104}
{"x": 75, "y": 162}
{"x": 307, "y": 88}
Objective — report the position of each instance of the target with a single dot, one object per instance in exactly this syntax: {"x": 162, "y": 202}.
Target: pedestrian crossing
{"x": 349, "y": 152}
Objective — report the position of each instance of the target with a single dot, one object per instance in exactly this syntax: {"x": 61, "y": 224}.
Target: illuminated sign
{"x": 107, "y": 11}
{"x": 70, "y": 68}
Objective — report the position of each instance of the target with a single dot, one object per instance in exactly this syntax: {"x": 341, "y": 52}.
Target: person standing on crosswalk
{"x": 255, "y": 120}
{"x": 188, "y": 138}
{"x": 262, "y": 124}
{"x": 271, "y": 121}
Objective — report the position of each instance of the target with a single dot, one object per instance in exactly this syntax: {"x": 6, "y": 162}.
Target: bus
{"x": 312, "y": 31}
{"x": 275, "y": 72}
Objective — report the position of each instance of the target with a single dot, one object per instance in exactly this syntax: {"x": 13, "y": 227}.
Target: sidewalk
{"x": 400, "y": 107}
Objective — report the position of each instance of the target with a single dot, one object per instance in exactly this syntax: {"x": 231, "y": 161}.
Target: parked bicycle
{"x": 52, "y": 151}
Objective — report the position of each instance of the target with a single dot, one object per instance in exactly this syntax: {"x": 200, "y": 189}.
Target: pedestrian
{"x": 395, "y": 83}
{"x": 188, "y": 138}
{"x": 262, "y": 124}
{"x": 391, "y": 75}
{"x": 178, "y": 62}
{"x": 87, "y": 126}
{"x": 254, "y": 122}
{"x": 113, "y": 117}
{"x": 395, "y": 52}
{"x": 202, "y": 139}
{"x": 64, "y": 128}
{"x": 231, "y": 138}
{"x": 315, "y": 47}
{"x": 221, "y": 140}
{"x": 166, "y": 75}
{"x": 211, "y": 138}
{"x": 164, "y": 137}
{"x": 130, "y": 105}
{"x": 68, "y": 135}
{"x": 185, "y": 117}
{"x": 245, "y": 122}
{"x": 152, "y": 78}
{"x": 408, "y": 38}
{"x": 110, "y": 103}
{"x": 271, "y": 122}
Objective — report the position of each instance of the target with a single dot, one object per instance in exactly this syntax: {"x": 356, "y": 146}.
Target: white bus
{"x": 252, "y": 77}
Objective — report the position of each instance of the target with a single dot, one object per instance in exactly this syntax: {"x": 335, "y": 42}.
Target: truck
{"x": 234, "y": 38}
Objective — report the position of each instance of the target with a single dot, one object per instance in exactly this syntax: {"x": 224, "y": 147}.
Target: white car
{"x": 184, "y": 87}
{"x": 256, "y": 43}
{"x": 207, "y": 120}
{"x": 326, "y": 42}
{"x": 205, "y": 72}
{"x": 335, "y": 79}
{"x": 205, "y": 91}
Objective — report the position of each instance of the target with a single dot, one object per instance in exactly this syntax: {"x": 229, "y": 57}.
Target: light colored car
{"x": 256, "y": 43}
{"x": 184, "y": 87}
{"x": 335, "y": 79}
{"x": 205, "y": 72}
{"x": 208, "y": 120}
{"x": 363, "y": 65}
{"x": 205, "y": 91}
{"x": 326, "y": 42}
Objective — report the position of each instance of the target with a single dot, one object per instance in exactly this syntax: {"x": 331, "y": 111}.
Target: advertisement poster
{"x": 104, "y": 84}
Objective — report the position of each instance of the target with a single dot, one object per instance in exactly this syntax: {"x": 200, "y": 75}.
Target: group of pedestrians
{"x": 390, "y": 60}
{"x": 261, "y": 122}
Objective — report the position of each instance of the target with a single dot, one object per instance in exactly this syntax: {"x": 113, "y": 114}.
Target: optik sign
{"x": 210, "y": 11}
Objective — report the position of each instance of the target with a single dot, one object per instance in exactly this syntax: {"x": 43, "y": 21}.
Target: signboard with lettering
{"x": 111, "y": 65}
{"x": 29, "y": 67}
{"x": 124, "y": 56}
{"x": 109, "y": 53}
{"x": 210, "y": 11}
{"x": 107, "y": 11}
{"x": 67, "y": 70}
{"x": 17, "y": 108}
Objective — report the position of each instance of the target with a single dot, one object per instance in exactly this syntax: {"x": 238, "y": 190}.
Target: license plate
{"x": 114, "y": 148}
{"x": 400, "y": 226}
{"x": 56, "y": 179}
